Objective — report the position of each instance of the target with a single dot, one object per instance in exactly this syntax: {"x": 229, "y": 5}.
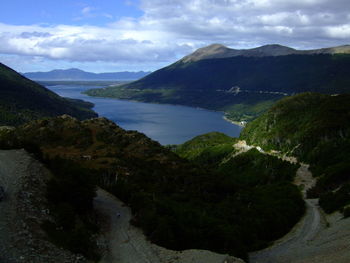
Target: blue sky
{"x": 96, "y": 12}
{"x": 118, "y": 35}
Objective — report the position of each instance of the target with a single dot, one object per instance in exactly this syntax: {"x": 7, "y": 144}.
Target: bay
{"x": 167, "y": 124}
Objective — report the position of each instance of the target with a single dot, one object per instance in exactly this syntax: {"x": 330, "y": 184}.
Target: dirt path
{"x": 23, "y": 211}
{"x": 304, "y": 179}
{"x": 305, "y": 231}
{"x": 12, "y": 169}
{"x": 316, "y": 238}
{"x": 123, "y": 248}
{"x": 127, "y": 244}
{"x": 285, "y": 249}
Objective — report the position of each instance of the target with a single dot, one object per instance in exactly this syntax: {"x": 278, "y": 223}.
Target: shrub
{"x": 346, "y": 211}
{"x": 332, "y": 201}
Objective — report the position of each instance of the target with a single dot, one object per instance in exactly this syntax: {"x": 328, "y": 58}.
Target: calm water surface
{"x": 167, "y": 124}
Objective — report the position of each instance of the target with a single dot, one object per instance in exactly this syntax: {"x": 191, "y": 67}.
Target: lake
{"x": 167, "y": 124}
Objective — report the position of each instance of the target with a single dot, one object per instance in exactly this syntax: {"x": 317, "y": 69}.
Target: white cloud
{"x": 170, "y": 29}
{"x": 87, "y": 10}
{"x": 342, "y": 32}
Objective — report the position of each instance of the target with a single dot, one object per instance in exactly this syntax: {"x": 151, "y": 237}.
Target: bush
{"x": 346, "y": 211}
{"x": 333, "y": 201}
{"x": 70, "y": 193}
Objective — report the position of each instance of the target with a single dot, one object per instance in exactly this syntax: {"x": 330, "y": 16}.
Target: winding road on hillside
{"x": 285, "y": 249}
{"x": 128, "y": 244}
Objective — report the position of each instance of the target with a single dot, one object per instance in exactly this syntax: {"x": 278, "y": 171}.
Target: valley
{"x": 87, "y": 190}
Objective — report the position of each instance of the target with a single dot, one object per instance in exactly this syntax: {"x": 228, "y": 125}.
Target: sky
{"x": 134, "y": 35}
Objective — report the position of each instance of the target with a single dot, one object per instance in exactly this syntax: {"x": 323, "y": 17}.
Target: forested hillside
{"x": 315, "y": 128}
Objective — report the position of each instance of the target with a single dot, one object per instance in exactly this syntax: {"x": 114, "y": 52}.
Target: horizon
{"x": 145, "y": 35}
{"x": 65, "y": 69}
{"x": 150, "y": 71}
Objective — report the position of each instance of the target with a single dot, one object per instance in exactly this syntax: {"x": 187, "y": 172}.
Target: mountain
{"x": 242, "y": 83}
{"x": 77, "y": 74}
{"x": 316, "y": 129}
{"x": 22, "y": 100}
{"x": 220, "y": 51}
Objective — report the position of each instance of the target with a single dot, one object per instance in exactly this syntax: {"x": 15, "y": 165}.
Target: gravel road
{"x": 23, "y": 211}
{"x": 317, "y": 238}
{"x": 127, "y": 244}
{"x": 13, "y": 166}
{"x": 123, "y": 248}
{"x": 285, "y": 249}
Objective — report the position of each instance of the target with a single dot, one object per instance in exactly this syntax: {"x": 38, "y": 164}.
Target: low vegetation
{"x": 70, "y": 194}
{"x": 207, "y": 149}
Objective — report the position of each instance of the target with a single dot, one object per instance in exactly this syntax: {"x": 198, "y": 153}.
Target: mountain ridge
{"x": 78, "y": 74}
{"x": 221, "y": 51}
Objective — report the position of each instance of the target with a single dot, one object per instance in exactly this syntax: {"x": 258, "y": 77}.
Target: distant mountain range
{"x": 77, "y": 74}
{"x": 242, "y": 83}
{"x": 22, "y": 100}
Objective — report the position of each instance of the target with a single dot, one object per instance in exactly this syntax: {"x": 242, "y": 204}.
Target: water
{"x": 167, "y": 124}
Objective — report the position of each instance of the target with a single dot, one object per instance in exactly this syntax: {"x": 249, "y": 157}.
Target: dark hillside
{"x": 22, "y": 100}
{"x": 289, "y": 74}
{"x": 242, "y": 86}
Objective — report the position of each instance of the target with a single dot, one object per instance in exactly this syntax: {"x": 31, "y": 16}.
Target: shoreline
{"x": 181, "y": 105}
{"x": 233, "y": 122}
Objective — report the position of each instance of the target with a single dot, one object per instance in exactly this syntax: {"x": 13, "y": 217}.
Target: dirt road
{"x": 317, "y": 238}
{"x": 13, "y": 166}
{"x": 127, "y": 244}
{"x": 123, "y": 247}
{"x": 23, "y": 211}
{"x": 285, "y": 249}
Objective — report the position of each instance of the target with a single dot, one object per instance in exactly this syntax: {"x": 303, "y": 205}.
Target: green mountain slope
{"x": 22, "y": 100}
{"x": 245, "y": 84}
{"x": 206, "y": 149}
{"x": 315, "y": 128}
{"x": 264, "y": 196}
